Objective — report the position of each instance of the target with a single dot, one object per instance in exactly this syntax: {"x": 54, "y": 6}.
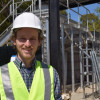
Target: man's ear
{"x": 40, "y": 42}
{"x": 14, "y": 40}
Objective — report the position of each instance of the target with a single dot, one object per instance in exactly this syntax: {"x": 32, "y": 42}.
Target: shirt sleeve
{"x": 57, "y": 91}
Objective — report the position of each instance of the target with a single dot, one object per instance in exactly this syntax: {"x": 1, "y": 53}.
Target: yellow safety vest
{"x": 12, "y": 86}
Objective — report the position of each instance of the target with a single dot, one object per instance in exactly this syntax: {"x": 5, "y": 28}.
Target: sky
{"x": 82, "y": 10}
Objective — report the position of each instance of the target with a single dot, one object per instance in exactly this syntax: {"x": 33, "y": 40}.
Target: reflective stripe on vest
{"x": 8, "y": 87}
{"x": 47, "y": 80}
{"x": 6, "y": 82}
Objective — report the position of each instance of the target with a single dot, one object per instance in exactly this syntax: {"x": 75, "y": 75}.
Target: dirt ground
{"x": 79, "y": 94}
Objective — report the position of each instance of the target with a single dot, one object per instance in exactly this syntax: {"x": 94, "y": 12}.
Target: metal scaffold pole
{"x": 68, "y": 10}
{"x": 63, "y": 59}
{"x": 32, "y": 6}
{"x": 87, "y": 67}
{"x": 40, "y": 4}
{"x": 13, "y": 10}
{"x": 78, "y": 17}
{"x": 80, "y": 54}
{"x": 72, "y": 61}
{"x": 47, "y": 38}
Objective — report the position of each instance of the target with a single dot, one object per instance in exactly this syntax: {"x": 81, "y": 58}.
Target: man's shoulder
{"x": 44, "y": 65}
{"x": 5, "y": 65}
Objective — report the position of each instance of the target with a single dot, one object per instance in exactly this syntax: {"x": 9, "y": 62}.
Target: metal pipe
{"x": 5, "y": 19}
{"x": 87, "y": 21}
{"x": 32, "y": 6}
{"x": 93, "y": 84}
{"x": 72, "y": 61}
{"x": 42, "y": 48}
{"x": 47, "y": 38}
{"x": 17, "y": 6}
{"x": 98, "y": 70}
{"x": 94, "y": 30}
{"x": 78, "y": 17}
{"x": 97, "y": 63}
{"x": 80, "y": 54}
{"x": 16, "y": 9}
{"x": 68, "y": 10}
{"x": 63, "y": 59}
{"x": 40, "y": 7}
{"x": 5, "y": 30}
{"x": 87, "y": 69}
{"x": 83, "y": 74}
{"x": 13, "y": 10}
{"x": 68, "y": 35}
{"x": 81, "y": 5}
{"x": 82, "y": 50}
{"x": 5, "y": 6}
{"x": 95, "y": 68}
{"x": 66, "y": 66}
{"x": 10, "y": 9}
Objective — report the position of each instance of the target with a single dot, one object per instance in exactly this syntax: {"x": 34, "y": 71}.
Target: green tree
{"x": 98, "y": 11}
{"x": 93, "y": 21}
{"x": 63, "y": 12}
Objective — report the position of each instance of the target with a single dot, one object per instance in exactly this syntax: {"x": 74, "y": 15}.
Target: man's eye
{"x": 32, "y": 39}
{"x": 22, "y": 39}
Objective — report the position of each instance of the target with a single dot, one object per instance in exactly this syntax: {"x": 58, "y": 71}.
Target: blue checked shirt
{"x": 28, "y": 74}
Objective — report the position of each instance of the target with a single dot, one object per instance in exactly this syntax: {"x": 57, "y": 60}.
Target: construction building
{"x": 68, "y": 46}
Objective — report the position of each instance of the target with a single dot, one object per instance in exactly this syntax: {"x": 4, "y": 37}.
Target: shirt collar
{"x": 20, "y": 64}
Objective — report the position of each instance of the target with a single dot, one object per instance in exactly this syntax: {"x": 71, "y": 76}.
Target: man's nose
{"x": 28, "y": 43}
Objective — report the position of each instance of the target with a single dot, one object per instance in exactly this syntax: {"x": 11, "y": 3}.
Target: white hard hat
{"x": 27, "y": 20}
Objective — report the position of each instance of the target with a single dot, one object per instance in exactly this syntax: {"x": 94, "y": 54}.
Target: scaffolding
{"x": 85, "y": 37}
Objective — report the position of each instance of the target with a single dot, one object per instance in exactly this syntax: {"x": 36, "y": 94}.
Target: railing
{"x": 5, "y": 6}
{"x": 79, "y": 14}
{"x": 96, "y": 67}
{"x": 95, "y": 59}
{"x": 9, "y": 27}
{"x": 10, "y": 14}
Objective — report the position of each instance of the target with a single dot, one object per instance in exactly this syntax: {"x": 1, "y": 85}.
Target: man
{"x": 27, "y": 78}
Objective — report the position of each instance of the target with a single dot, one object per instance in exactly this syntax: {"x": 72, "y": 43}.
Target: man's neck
{"x": 27, "y": 62}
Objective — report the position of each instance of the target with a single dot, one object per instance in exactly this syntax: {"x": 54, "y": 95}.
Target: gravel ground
{"x": 78, "y": 94}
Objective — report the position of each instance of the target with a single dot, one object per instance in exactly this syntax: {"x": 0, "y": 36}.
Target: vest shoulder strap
{"x": 6, "y": 82}
{"x": 47, "y": 81}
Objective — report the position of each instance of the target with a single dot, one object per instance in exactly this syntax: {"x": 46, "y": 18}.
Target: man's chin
{"x": 28, "y": 56}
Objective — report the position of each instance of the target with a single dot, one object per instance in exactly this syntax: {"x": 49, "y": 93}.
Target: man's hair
{"x": 40, "y": 34}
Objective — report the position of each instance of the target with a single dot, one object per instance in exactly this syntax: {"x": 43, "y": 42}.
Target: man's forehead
{"x": 29, "y": 29}
{"x": 27, "y": 32}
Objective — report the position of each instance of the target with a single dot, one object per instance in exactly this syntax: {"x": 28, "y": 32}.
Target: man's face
{"x": 26, "y": 43}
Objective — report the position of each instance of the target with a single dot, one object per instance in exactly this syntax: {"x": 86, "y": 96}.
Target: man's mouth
{"x": 27, "y": 50}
